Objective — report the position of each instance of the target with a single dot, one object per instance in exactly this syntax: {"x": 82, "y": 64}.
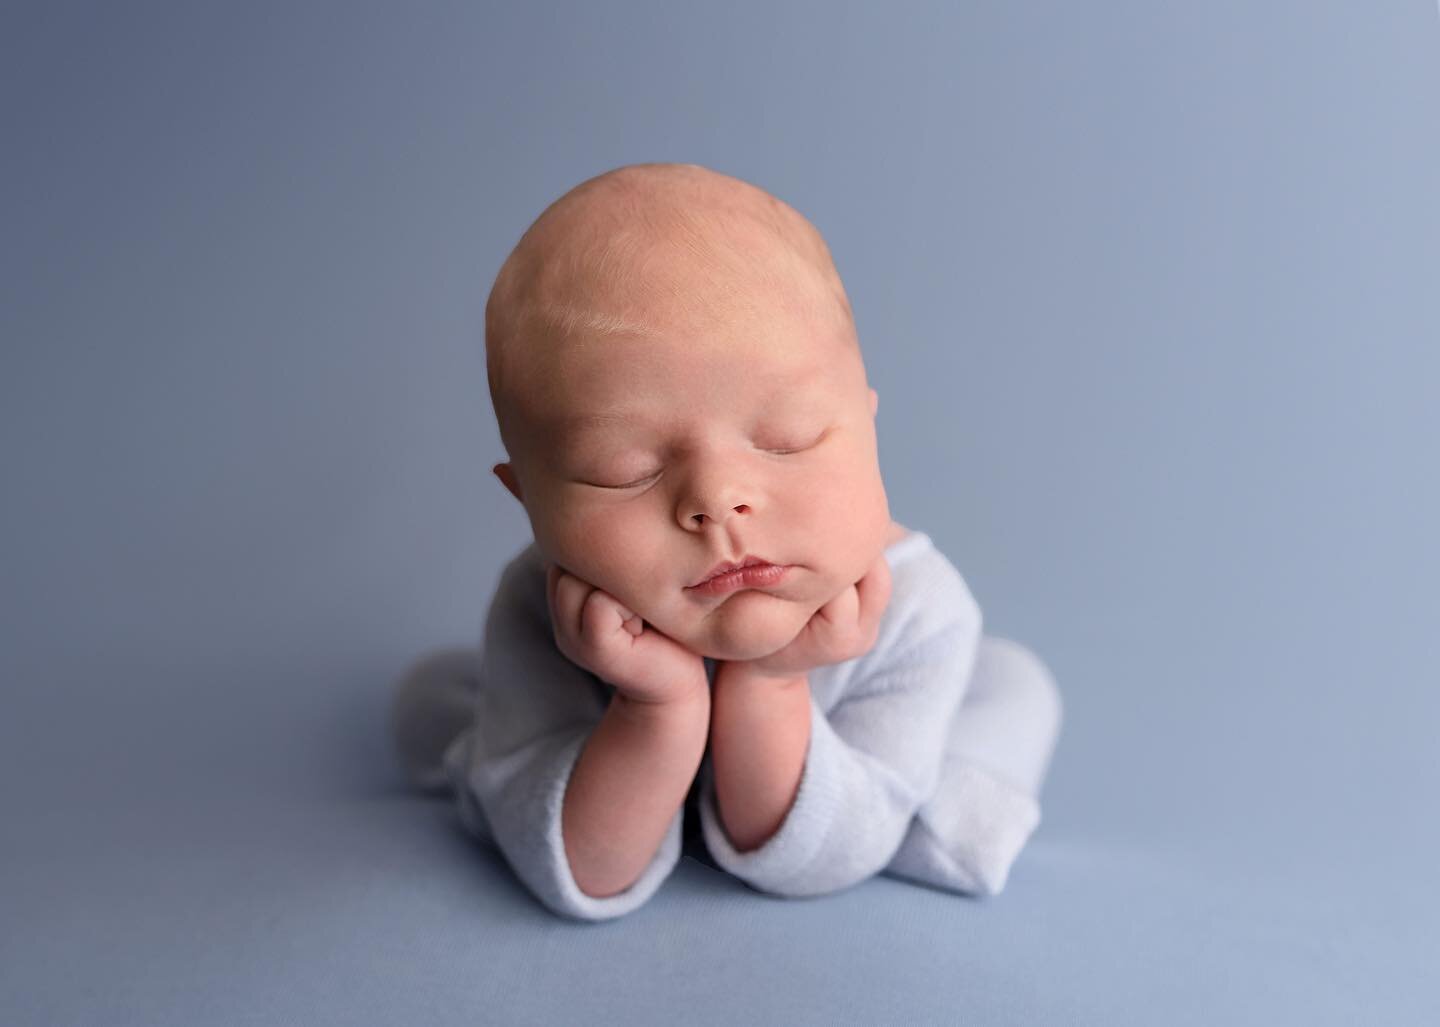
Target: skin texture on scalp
{"x": 648, "y": 250}
{"x": 710, "y": 316}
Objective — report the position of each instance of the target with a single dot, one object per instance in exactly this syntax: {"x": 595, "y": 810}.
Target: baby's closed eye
{"x": 773, "y": 447}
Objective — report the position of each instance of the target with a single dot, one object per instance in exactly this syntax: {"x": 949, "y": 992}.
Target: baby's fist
{"x": 844, "y": 628}
{"x": 594, "y": 630}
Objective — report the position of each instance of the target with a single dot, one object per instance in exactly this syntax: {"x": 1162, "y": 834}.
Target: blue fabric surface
{"x": 373, "y": 907}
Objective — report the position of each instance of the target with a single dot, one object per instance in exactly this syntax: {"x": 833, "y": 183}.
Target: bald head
{"x": 653, "y": 250}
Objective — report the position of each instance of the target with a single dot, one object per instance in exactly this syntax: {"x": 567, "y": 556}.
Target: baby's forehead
{"x": 631, "y": 399}
{"x": 769, "y": 350}
{"x": 683, "y": 240}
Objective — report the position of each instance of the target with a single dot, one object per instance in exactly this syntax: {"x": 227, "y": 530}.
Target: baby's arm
{"x": 632, "y": 775}
{"x": 535, "y": 712}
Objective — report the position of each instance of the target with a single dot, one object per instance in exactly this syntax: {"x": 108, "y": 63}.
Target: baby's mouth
{"x": 754, "y": 574}
{"x": 726, "y": 566}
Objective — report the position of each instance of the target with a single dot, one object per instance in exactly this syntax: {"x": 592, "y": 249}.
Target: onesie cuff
{"x": 781, "y": 864}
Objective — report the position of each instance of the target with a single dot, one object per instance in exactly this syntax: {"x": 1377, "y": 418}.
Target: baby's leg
{"x": 433, "y": 703}
{"x": 987, "y": 804}
{"x": 430, "y": 728}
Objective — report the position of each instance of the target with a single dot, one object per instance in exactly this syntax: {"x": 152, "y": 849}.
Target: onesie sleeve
{"x": 871, "y": 762}
{"x": 534, "y": 711}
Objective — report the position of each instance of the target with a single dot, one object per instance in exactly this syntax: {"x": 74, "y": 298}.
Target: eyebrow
{"x": 579, "y": 422}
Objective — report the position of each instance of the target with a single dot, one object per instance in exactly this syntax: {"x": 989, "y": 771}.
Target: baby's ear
{"x": 507, "y": 477}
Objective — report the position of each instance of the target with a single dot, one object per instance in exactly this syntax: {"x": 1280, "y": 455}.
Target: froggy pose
{"x": 717, "y": 612}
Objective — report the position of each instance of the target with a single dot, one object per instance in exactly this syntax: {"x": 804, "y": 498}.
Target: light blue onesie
{"x": 925, "y": 762}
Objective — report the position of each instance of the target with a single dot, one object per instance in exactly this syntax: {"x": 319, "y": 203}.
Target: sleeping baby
{"x": 717, "y": 614}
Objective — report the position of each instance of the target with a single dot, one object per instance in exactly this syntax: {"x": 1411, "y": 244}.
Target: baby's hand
{"x": 844, "y": 628}
{"x": 596, "y": 632}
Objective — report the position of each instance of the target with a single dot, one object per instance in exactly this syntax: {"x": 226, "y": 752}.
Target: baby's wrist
{"x": 748, "y": 674}
{"x": 674, "y": 703}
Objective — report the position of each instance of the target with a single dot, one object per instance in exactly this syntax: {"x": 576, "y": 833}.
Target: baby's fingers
{"x": 567, "y": 603}
{"x": 874, "y": 592}
{"x": 840, "y": 613}
{"x": 604, "y": 615}
{"x": 853, "y": 617}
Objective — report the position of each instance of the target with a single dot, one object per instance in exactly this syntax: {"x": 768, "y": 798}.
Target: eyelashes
{"x": 655, "y": 474}
{"x": 631, "y": 485}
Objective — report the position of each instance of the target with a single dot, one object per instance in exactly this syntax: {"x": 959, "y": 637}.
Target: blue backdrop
{"x": 1148, "y": 292}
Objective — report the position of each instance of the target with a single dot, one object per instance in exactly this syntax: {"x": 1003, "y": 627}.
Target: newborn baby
{"x": 717, "y": 613}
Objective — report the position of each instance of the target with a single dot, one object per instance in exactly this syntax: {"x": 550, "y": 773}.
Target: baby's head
{"x": 677, "y": 381}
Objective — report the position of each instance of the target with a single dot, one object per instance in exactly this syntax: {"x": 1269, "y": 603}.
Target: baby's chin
{"x": 747, "y": 626}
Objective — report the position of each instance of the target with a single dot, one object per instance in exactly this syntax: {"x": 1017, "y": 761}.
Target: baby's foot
{"x": 987, "y": 825}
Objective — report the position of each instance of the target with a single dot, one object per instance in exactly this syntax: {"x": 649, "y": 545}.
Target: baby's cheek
{"x": 879, "y": 516}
